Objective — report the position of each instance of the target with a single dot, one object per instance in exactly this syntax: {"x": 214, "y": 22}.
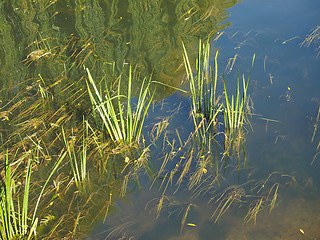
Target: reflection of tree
{"x": 159, "y": 27}
{"x": 96, "y": 33}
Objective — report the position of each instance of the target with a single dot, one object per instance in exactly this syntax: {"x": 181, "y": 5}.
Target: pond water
{"x": 284, "y": 87}
{"x": 54, "y": 39}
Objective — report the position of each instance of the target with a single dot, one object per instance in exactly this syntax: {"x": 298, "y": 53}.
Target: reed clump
{"x": 71, "y": 159}
{"x": 208, "y": 106}
{"x": 122, "y": 120}
{"x": 18, "y": 219}
{"x": 220, "y": 120}
{"x": 236, "y": 113}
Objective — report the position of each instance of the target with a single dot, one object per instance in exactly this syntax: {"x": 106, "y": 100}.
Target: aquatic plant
{"x": 14, "y": 219}
{"x": 208, "y": 105}
{"x": 16, "y": 222}
{"x": 116, "y": 114}
{"x": 78, "y": 161}
{"x": 203, "y": 86}
{"x": 122, "y": 123}
{"x": 236, "y": 112}
{"x": 210, "y": 146}
{"x": 313, "y": 37}
{"x": 114, "y": 169}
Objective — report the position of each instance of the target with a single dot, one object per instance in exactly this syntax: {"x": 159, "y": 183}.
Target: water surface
{"x": 56, "y": 40}
{"x": 284, "y": 88}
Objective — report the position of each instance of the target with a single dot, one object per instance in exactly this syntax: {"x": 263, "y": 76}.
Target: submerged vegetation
{"x": 99, "y": 158}
{"x": 208, "y": 105}
{"x": 69, "y": 159}
{"x": 202, "y": 160}
{"x": 74, "y": 141}
{"x": 313, "y": 38}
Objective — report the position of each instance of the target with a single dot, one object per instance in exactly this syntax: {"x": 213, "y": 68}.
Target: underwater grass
{"x": 78, "y": 159}
{"x": 209, "y": 146}
{"x": 208, "y": 107}
{"x": 313, "y": 37}
{"x": 122, "y": 123}
{"x": 119, "y": 111}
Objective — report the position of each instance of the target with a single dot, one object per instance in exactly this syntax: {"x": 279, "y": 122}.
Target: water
{"x": 284, "y": 88}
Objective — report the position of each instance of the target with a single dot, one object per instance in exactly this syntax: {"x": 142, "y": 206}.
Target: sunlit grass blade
{"x": 235, "y": 113}
{"x": 77, "y": 159}
{"x": 183, "y": 221}
{"x": 274, "y": 199}
{"x": 253, "y": 212}
{"x": 123, "y": 123}
{"x": 129, "y": 111}
{"x": 14, "y": 219}
{"x": 100, "y": 108}
{"x": 191, "y": 79}
{"x": 72, "y": 157}
{"x": 55, "y": 167}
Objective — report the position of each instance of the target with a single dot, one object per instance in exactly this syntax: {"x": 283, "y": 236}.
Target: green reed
{"x": 123, "y": 123}
{"x": 235, "y": 112}
{"x": 203, "y": 84}
{"x": 115, "y": 168}
{"x": 15, "y": 219}
{"x": 78, "y": 159}
{"x": 208, "y": 105}
{"x": 210, "y": 110}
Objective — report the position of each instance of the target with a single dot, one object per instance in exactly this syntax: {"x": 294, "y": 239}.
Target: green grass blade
{"x": 190, "y": 77}
{"x": 121, "y": 114}
{"x": 57, "y": 164}
{"x": 26, "y": 198}
{"x": 106, "y": 121}
{"x": 130, "y": 117}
